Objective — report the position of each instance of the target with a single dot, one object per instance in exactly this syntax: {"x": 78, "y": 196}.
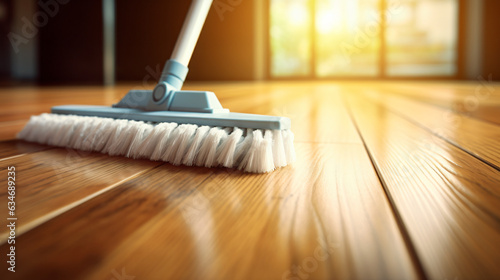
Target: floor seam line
{"x": 51, "y": 215}
{"x": 441, "y": 137}
{"x": 409, "y": 244}
{"x": 446, "y": 108}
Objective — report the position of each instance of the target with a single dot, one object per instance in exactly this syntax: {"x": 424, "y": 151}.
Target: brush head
{"x": 222, "y": 119}
{"x": 250, "y": 150}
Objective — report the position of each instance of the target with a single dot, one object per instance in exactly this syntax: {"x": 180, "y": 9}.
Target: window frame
{"x": 382, "y": 75}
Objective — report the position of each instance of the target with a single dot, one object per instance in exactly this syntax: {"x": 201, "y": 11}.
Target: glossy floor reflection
{"x": 393, "y": 180}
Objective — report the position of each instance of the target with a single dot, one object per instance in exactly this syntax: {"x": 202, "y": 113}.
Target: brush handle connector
{"x": 175, "y": 70}
{"x": 171, "y": 80}
{"x": 180, "y": 101}
{"x": 174, "y": 73}
{"x": 167, "y": 95}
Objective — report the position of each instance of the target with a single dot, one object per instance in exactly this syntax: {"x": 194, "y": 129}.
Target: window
{"x": 363, "y": 38}
{"x": 291, "y": 46}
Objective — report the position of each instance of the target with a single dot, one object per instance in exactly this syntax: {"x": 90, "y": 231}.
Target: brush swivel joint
{"x": 168, "y": 96}
{"x": 162, "y": 92}
{"x": 174, "y": 74}
{"x": 171, "y": 80}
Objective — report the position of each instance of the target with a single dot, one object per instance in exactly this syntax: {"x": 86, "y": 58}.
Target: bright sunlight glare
{"x": 420, "y": 37}
{"x": 326, "y": 21}
{"x": 336, "y": 15}
{"x": 298, "y": 15}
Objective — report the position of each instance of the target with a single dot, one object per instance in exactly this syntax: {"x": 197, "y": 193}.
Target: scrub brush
{"x": 169, "y": 124}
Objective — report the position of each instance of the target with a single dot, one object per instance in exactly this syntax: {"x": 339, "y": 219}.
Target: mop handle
{"x": 190, "y": 31}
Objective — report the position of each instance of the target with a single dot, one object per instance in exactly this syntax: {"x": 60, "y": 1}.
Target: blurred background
{"x": 50, "y": 42}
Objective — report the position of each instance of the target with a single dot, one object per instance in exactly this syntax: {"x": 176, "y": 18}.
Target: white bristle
{"x": 85, "y": 133}
{"x": 68, "y": 134}
{"x": 164, "y": 141}
{"x": 149, "y": 144}
{"x": 185, "y": 140}
{"x": 243, "y": 146}
{"x": 265, "y": 155}
{"x": 102, "y": 134}
{"x": 251, "y": 150}
{"x": 58, "y": 134}
{"x": 249, "y": 161}
{"x": 212, "y": 139}
{"x": 121, "y": 144}
{"x": 279, "y": 154}
{"x": 44, "y": 131}
{"x": 141, "y": 135}
{"x": 194, "y": 148}
{"x": 114, "y": 135}
{"x": 78, "y": 134}
{"x": 183, "y": 133}
{"x": 214, "y": 147}
{"x": 226, "y": 156}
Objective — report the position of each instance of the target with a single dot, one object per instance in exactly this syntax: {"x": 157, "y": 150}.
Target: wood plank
{"x": 21, "y": 103}
{"x": 52, "y": 181}
{"x": 480, "y": 100}
{"x": 96, "y": 227}
{"x": 477, "y": 137}
{"x": 447, "y": 199}
{"x": 316, "y": 111}
{"x": 16, "y": 147}
{"x": 9, "y": 129}
{"x": 180, "y": 223}
{"x": 200, "y": 223}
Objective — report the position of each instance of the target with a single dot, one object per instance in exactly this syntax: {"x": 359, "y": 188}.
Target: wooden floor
{"x": 393, "y": 180}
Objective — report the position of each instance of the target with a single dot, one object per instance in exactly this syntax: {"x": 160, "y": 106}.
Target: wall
{"x": 140, "y": 45}
{"x": 24, "y": 54}
{"x": 70, "y": 44}
{"x": 6, "y": 11}
{"x": 68, "y": 49}
{"x": 225, "y": 50}
{"x": 472, "y": 41}
{"x": 491, "y": 39}
{"x": 146, "y": 35}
